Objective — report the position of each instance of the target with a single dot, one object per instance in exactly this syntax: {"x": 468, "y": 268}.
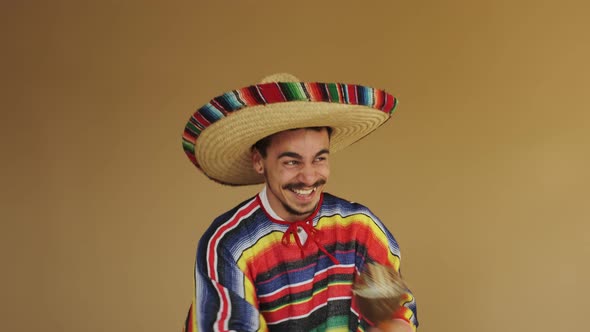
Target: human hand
{"x": 378, "y": 291}
{"x": 394, "y": 325}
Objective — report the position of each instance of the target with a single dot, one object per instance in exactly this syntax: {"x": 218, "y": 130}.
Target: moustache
{"x": 299, "y": 186}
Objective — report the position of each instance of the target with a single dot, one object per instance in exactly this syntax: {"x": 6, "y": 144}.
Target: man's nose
{"x": 308, "y": 175}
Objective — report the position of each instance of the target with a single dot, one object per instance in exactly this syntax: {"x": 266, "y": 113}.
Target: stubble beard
{"x": 288, "y": 208}
{"x": 294, "y": 212}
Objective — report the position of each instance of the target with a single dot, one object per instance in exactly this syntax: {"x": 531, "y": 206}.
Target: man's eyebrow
{"x": 290, "y": 154}
{"x": 295, "y": 155}
{"x": 322, "y": 151}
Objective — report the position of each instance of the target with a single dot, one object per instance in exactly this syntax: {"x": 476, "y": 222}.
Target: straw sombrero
{"x": 219, "y": 136}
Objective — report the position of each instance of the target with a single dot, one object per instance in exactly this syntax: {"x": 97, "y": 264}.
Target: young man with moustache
{"x": 286, "y": 259}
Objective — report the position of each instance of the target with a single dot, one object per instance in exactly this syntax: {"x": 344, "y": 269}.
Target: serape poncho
{"x": 251, "y": 277}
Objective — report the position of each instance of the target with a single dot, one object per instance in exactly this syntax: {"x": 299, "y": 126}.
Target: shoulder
{"x": 366, "y": 223}
{"x": 231, "y": 219}
{"x": 344, "y": 206}
{"x": 244, "y": 209}
{"x": 364, "y": 217}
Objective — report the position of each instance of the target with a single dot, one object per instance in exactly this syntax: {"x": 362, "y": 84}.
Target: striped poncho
{"x": 255, "y": 272}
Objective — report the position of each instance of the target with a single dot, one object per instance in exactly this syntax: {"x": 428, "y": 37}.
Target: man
{"x": 286, "y": 259}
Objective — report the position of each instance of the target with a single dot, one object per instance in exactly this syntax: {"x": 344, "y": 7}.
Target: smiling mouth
{"x": 304, "y": 192}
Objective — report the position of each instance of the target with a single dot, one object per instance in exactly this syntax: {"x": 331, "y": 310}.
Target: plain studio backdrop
{"x": 482, "y": 173}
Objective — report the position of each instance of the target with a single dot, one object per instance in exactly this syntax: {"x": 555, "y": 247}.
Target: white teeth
{"x": 304, "y": 192}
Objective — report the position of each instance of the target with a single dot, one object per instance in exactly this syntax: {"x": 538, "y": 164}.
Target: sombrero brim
{"x": 219, "y": 136}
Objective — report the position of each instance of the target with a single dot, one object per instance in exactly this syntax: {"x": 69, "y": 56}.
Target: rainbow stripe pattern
{"x": 280, "y": 92}
{"x": 247, "y": 279}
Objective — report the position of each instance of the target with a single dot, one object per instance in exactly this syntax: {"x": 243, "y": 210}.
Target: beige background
{"x": 482, "y": 173}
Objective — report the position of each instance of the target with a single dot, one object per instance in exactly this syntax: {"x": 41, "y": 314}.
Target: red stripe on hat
{"x": 187, "y": 135}
{"x": 352, "y": 97}
{"x": 201, "y": 120}
{"x": 389, "y": 103}
{"x": 271, "y": 93}
{"x": 248, "y": 97}
{"x": 378, "y": 99}
{"x": 244, "y": 96}
{"x": 312, "y": 89}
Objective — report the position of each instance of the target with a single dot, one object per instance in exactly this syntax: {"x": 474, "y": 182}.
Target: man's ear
{"x": 257, "y": 163}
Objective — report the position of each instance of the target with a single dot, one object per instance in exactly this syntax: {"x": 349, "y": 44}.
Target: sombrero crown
{"x": 218, "y": 137}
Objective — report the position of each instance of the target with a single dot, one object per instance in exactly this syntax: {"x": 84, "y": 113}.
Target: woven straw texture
{"x": 219, "y": 136}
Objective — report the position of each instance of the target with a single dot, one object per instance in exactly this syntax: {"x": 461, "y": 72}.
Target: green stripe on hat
{"x": 188, "y": 146}
{"x": 293, "y": 91}
{"x": 333, "y": 91}
{"x": 191, "y": 126}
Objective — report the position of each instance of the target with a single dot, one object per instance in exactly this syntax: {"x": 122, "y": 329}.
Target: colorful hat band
{"x": 279, "y": 92}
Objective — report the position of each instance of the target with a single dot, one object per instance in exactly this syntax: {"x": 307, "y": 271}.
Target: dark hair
{"x": 264, "y": 143}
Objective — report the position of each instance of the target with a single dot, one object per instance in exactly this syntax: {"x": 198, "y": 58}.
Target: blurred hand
{"x": 395, "y": 325}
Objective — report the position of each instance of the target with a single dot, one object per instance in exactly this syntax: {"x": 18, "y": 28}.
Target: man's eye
{"x": 291, "y": 162}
